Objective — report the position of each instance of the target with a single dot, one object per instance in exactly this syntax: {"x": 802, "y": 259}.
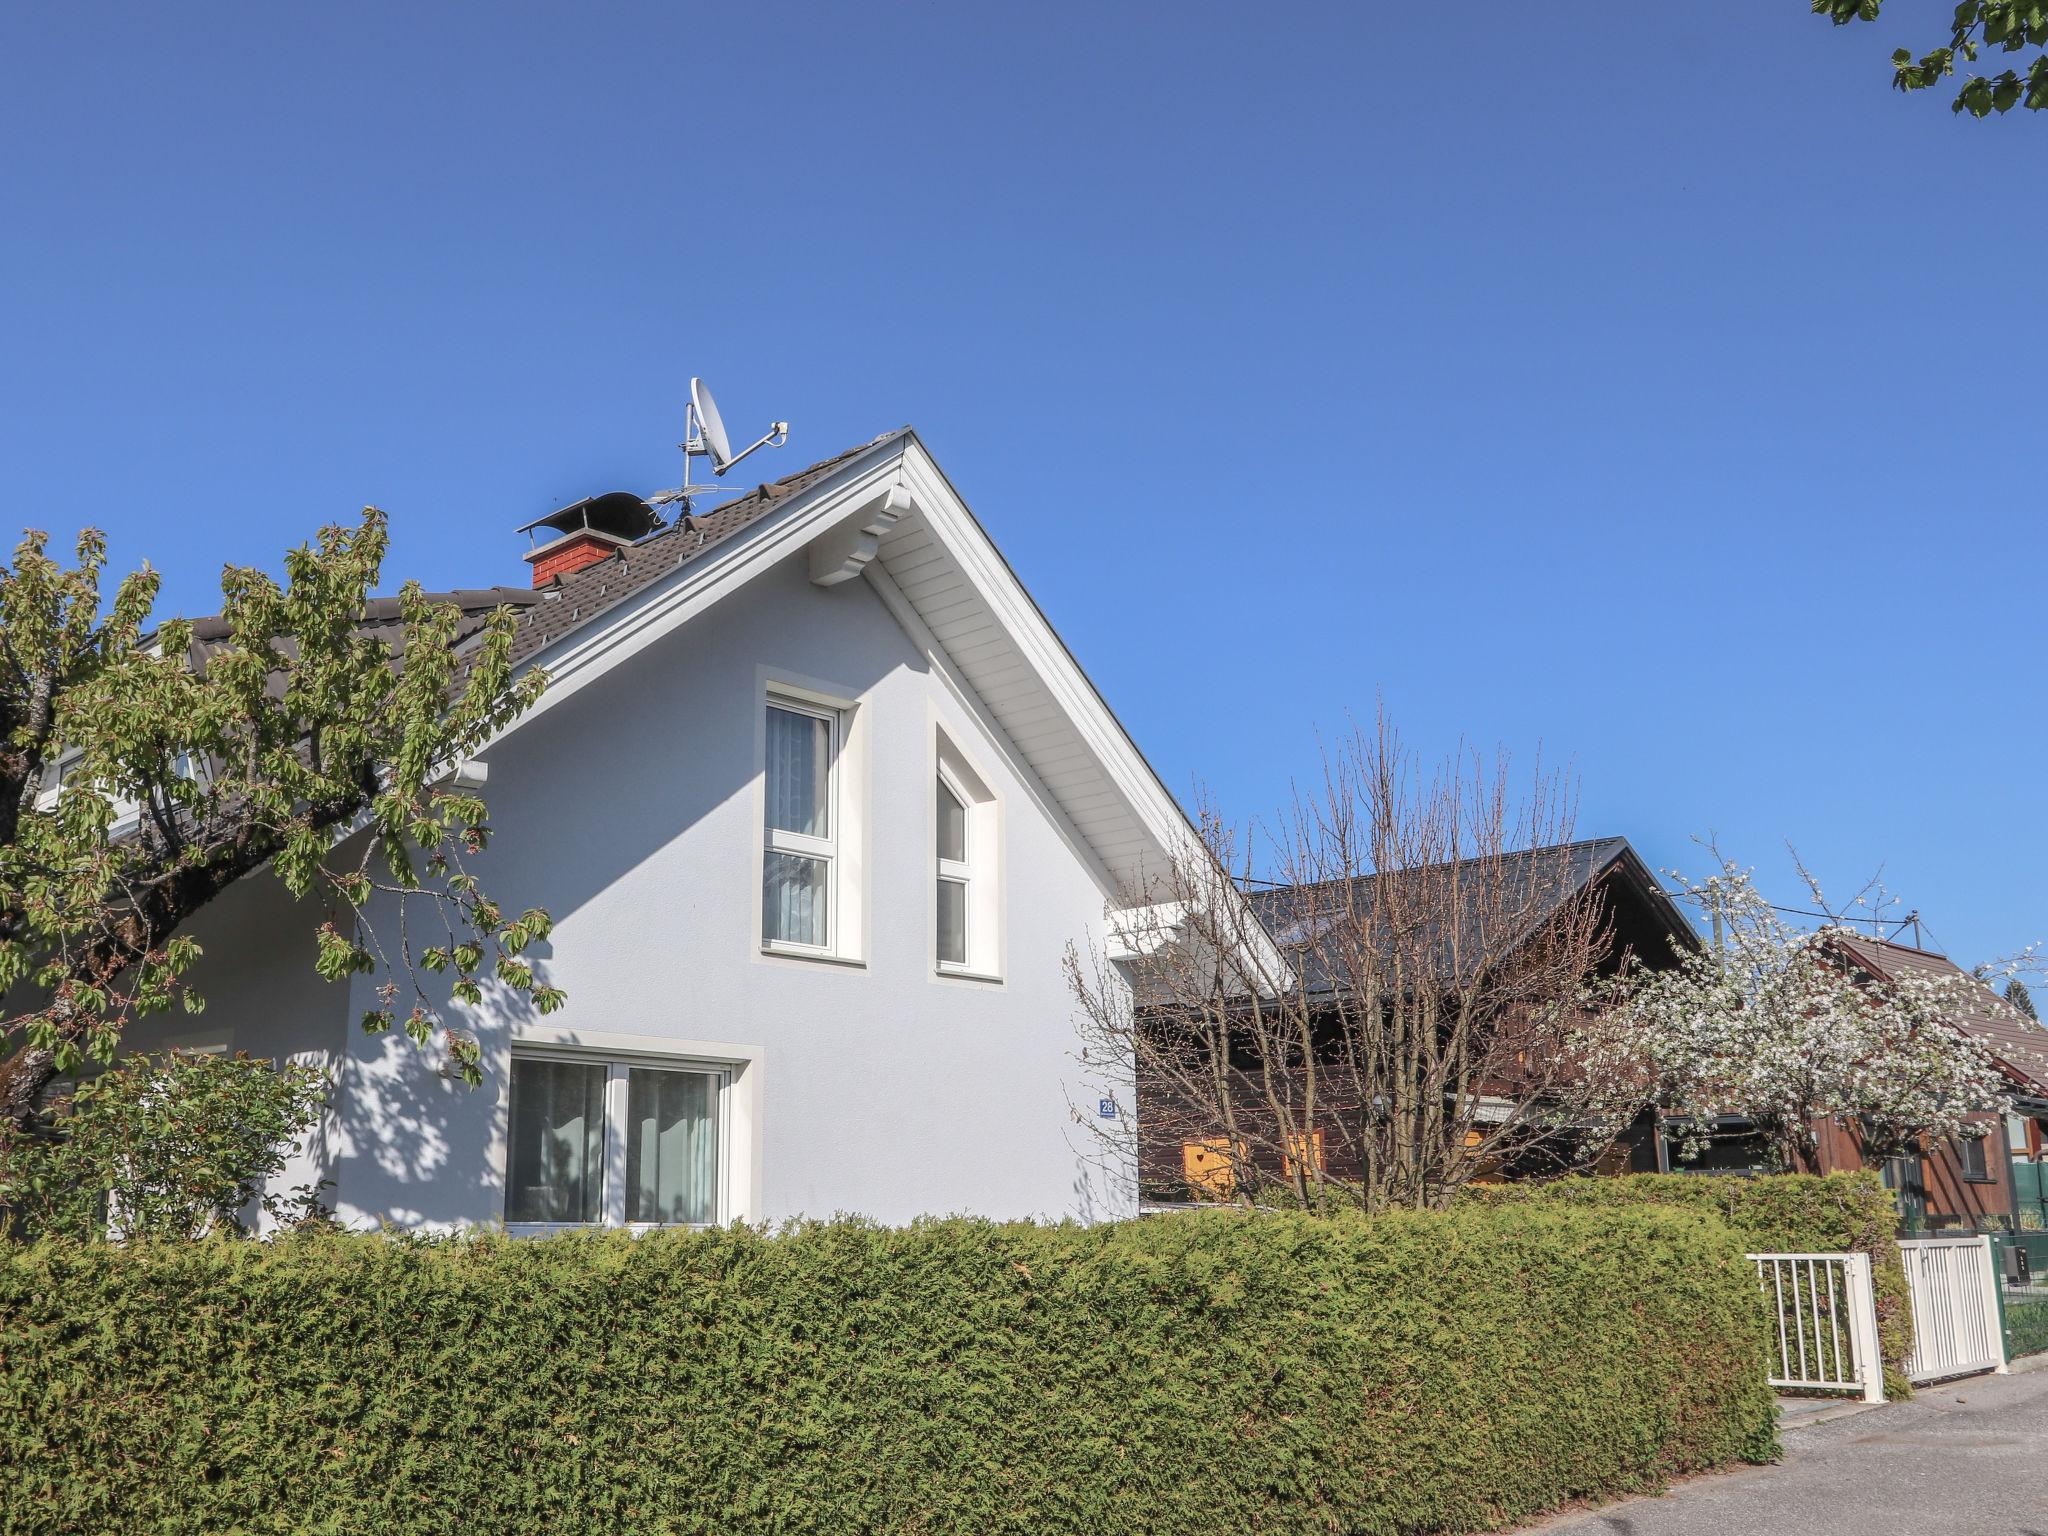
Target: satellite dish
{"x": 712, "y": 426}
{"x": 704, "y": 438}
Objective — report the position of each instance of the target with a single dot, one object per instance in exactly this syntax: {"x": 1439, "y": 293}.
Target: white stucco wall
{"x": 631, "y": 811}
{"x": 263, "y": 996}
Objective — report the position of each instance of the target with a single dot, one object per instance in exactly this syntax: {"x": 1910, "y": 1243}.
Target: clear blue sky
{"x": 1619, "y": 381}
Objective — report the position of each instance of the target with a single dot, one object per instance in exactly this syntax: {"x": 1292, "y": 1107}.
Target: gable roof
{"x": 1547, "y": 877}
{"x": 580, "y": 599}
{"x": 2021, "y": 1044}
{"x": 886, "y": 512}
{"x": 889, "y": 514}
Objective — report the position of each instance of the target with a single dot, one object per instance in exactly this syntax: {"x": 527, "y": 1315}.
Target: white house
{"x": 818, "y": 801}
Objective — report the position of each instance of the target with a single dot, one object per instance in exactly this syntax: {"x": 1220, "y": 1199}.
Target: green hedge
{"x": 1776, "y": 1213}
{"x": 1194, "y": 1374}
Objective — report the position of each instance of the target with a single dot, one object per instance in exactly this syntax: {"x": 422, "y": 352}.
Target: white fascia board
{"x": 953, "y": 526}
{"x": 1135, "y": 932}
{"x": 948, "y": 672}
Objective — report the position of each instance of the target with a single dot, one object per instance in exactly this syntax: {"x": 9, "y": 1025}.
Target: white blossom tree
{"x": 1780, "y": 1025}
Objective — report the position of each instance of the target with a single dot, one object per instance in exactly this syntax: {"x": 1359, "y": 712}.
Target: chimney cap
{"x": 618, "y": 514}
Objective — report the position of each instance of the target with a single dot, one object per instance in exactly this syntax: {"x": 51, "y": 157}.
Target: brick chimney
{"x": 571, "y": 553}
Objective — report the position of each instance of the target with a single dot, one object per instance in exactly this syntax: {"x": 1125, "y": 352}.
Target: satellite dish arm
{"x": 775, "y": 437}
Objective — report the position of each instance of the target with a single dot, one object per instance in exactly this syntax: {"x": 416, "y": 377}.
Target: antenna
{"x": 704, "y": 438}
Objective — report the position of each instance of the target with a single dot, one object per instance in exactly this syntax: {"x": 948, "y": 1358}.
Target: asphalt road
{"x": 1968, "y": 1458}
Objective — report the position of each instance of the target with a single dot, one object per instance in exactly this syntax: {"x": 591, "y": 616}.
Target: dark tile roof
{"x": 381, "y": 619}
{"x": 2019, "y": 1042}
{"x": 1545, "y": 879}
{"x": 570, "y": 602}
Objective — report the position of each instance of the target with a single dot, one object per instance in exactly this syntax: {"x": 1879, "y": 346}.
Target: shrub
{"x": 1774, "y": 1213}
{"x": 1194, "y": 1374}
{"x": 172, "y": 1146}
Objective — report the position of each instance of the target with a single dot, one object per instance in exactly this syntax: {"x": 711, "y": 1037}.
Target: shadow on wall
{"x": 625, "y": 767}
{"x": 583, "y": 796}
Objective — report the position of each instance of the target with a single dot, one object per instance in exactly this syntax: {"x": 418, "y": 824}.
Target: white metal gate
{"x": 1954, "y": 1284}
{"x": 1826, "y": 1317}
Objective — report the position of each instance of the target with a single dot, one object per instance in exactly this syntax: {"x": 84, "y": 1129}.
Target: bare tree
{"x": 1400, "y": 1009}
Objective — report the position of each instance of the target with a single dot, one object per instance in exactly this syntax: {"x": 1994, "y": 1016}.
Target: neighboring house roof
{"x": 381, "y": 619}
{"x": 1547, "y": 877}
{"x": 572, "y": 602}
{"x": 2018, "y": 1042}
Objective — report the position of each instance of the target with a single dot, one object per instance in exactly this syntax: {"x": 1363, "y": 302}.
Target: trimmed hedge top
{"x": 1775, "y": 1213}
{"x": 1192, "y": 1374}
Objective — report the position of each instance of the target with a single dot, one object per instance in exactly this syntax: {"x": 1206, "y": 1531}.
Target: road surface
{"x": 1967, "y": 1458}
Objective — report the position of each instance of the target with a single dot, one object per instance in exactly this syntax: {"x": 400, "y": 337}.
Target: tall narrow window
{"x": 953, "y": 875}
{"x": 796, "y": 891}
{"x": 966, "y": 874}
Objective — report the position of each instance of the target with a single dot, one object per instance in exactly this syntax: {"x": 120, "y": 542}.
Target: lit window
{"x": 671, "y": 1146}
{"x": 598, "y": 1142}
{"x": 796, "y": 890}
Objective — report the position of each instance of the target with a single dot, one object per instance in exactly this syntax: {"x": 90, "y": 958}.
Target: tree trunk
{"x": 23, "y": 1077}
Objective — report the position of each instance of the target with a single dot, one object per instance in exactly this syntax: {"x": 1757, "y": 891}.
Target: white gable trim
{"x": 895, "y": 482}
{"x": 998, "y": 739}
{"x": 947, "y": 517}
{"x": 585, "y": 655}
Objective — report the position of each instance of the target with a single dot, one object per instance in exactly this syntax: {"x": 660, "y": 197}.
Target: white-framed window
{"x": 956, "y": 874}
{"x": 966, "y": 837}
{"x": 58, "y": 772}
{"x": 597, "y": 1141}
{"x": 61, "y": 772}
{"x": 799, "y": 873}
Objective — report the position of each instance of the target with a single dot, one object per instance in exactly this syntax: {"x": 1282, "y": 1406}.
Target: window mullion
{"x": 615, "y": 1129}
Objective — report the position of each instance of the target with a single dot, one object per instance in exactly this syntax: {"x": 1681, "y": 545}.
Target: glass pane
{"x": 799, "y": 760}
{"x": 671, "y": 1146}
{"x": 952, "y": 826}
{"x": 793, "y": 899}
{"x": 556, "y": 1168}
{"x": 952, "y": 922}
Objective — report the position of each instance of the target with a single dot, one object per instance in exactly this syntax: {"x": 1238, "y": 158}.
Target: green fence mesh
{"x": 2023, "y": 1291}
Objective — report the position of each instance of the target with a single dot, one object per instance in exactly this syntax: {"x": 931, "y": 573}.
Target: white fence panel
{"x": 1826, "y": 1316}
{"x": 1954, "y": 1284}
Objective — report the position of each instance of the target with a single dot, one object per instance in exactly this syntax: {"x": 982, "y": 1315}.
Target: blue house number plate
{"x": 1106, "y": 1108}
